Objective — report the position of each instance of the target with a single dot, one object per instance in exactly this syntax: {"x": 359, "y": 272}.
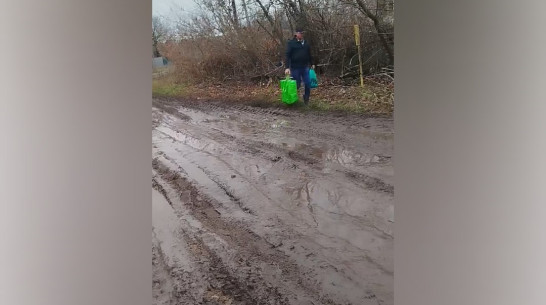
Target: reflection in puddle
{"x": 284, "y": 141}
{"x": 196, "y": 116}
{"x": 350, "y": 157}
{"x": 328, "y": 153}
{"x": 331, "y": 154}
{"x": 246, "y": 129}
{"x": 165, "y": 227}
{"x": 280, "y": 123}
{"x": 190, "y": 140}
{"x": 308, "y": 150}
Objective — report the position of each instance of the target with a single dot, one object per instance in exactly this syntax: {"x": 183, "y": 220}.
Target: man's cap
{"x": 299, "y": 30}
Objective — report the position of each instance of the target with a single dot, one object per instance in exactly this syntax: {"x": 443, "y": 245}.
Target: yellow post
{"x": 357, "y": 41}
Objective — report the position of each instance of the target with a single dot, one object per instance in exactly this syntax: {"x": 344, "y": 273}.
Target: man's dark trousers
{"x": 302, "y": 73}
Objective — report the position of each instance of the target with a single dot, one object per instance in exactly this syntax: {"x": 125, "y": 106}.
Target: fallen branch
{"x": 267, "y": 74}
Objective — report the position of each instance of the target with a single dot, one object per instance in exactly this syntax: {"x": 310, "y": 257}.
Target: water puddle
{"x": 249, "y": 129}
{"x": 166, "y": 229}
{"x": 327, "y": 153}
{"x": 309, "y": 150}
{"x": 346, "y": 157}
{"x": 280, "y": 124}
{"x": 191, "y": 141}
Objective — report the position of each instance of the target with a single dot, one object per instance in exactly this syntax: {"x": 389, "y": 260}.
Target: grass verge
{"x": 373, "y": 98}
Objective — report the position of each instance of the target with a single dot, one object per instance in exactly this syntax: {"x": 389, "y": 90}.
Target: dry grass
{"x": 373, "y": 98}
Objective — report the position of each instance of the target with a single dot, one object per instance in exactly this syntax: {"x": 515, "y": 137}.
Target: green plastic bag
{"x": 313, "y": 78}
{"x": 289, "y": 91}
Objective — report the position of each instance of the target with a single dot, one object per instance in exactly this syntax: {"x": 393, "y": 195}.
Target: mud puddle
{"x": 288, "y": 209}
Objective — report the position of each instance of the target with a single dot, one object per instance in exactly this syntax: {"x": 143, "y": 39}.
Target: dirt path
{"x": 270, "y": 206}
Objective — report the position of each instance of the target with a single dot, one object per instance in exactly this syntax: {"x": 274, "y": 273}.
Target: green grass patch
{"x": 338, "y": 106}
{"x": 162, "y": 88}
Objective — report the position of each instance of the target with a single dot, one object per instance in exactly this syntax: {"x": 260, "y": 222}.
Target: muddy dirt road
{"x": 270, "y": 206}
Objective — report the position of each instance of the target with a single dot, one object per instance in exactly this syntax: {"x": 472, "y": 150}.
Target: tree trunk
{"x": 235, "y": 17}
{"x": 276, "y": 31}
{"x": 155, "y": 43}
{"x": 246, "y": 13}
{"x": 380, "y": 30}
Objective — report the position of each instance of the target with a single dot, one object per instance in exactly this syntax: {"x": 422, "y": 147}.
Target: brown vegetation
{"x": 239, "y": 45}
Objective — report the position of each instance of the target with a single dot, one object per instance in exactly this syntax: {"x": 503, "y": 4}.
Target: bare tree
{"x": 385, "y": 30}
{"x": 245, "y": 9}
{"x": 235, "y": 17}
{"x": 277, "y": 34}
{"x": 216, "y": 43}
{"x": 159, "y": 33}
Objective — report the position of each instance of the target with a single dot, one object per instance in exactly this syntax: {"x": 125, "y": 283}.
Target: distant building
{"x": 158, "y": 62}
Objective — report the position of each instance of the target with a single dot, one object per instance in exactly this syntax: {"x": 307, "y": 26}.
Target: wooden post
{"x": 357, "y": 41}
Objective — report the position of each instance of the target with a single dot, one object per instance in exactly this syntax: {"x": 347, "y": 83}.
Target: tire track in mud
{"x": 369, "y": 182}
{"x": 158, "y": 187}
{"x": 175, "y": 287}
{"x": 228, "y": 192}
{"x": 339, "y": 118}
{"x": 163, "y": 284}
{"x": 170, "y": 109}
{"x": 223, "y": 286}
{"x": 170, "y": 282}
{"x": 372, "y": 183}
{"x": 172, "y": 286}
{"x": 264, "y": 149}
{"x": 242, "y": 260}
{"x": 170, "y": 106}
{"x": 210, "y": 176}
{"x": 272, "y": 153}
{"x": 252, "y": 251}
{"x": 238, "y": 202}
{"x": 225, "y": 188}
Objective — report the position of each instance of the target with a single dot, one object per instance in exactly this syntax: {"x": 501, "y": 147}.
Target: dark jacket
{"x": 298, "y": 55}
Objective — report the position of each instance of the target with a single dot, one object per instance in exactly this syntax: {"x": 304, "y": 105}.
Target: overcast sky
{"x": 165, "y": 7}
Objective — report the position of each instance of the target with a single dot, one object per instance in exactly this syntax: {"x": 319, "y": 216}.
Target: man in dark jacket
{"x": 298, "y": 60}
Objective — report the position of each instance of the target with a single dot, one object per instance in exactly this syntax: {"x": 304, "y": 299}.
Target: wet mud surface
{"x": 270, "y": 206}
